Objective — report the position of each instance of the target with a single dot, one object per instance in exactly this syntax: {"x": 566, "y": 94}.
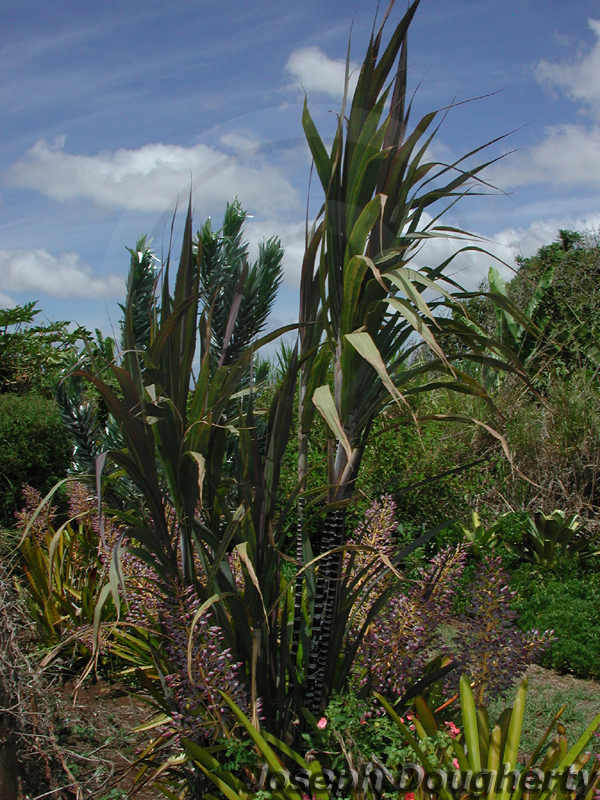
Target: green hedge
{"x": 34, "y": 449}
{"x": 571, "y": 607}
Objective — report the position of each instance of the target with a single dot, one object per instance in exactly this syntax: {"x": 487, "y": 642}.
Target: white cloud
{"x": 63, "y": 276}
{"x": 568, "y": 156}
{"x": 6, "y": 301}
{"x": 151, "y": 178}
{"x": 314, "y": 72}
{"x": 580, "y": 79}
{"x": 240, "y": 140}
{"x": 470, "y": 268}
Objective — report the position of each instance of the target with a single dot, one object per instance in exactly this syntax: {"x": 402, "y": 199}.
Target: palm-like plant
{"x": 369, "y": 304}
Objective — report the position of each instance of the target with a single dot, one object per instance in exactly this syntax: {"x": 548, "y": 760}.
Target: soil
{"x": 94, "y": 728}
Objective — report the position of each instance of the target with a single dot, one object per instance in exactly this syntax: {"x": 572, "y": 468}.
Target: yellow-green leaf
{"x": 324, "y": 402}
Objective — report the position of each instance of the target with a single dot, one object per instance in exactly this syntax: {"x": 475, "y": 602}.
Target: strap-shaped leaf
{"x": 365, "y": 346}
{"x": 470, "y": 727}
{"x": 513, "y": 737}
{"x": 317, "y": 148}
{"x": 418, "y": 324}
{"x": 364, "y": 225}
{"x": 324, "y": 402}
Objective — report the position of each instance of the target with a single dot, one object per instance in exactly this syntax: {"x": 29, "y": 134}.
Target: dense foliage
{"x": 568, "y": 602}
{"x": 32, "y": 355}
{"x": 35, "y": 449}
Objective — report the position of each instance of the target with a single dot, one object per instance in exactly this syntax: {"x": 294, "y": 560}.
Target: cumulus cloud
{"x": 63, "y": 276}
{"x": 470, "y": 268}
{"x": 580, "y": 79}
{"x": 313, "y": 71}
{"x": 569, "y": 155}
{"x": 151, "y": 178}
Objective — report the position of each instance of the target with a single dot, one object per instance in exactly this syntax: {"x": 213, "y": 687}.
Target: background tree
{"x": 34, "y": 448}
{"x": 31, "y": 355}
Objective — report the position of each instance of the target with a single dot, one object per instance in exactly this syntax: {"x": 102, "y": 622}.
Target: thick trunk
{"x": 298, "y": 588}
{"x": 325, "y": 600}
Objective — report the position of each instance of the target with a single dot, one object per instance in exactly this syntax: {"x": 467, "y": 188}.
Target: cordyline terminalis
{"x": 363, "y": 315}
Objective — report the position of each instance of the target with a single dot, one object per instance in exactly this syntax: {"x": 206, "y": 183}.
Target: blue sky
{"x": 109, "y": 110}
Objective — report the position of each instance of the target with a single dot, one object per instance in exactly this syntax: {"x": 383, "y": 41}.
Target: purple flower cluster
{"x": 376, "y": 530}
{"x": 377, "y": 533}
{"x": 419, "y": 622}
{"x": 32, "y": 498}
{"x": 493, "y": 651}
{"x": 140, "y": 578}
{"x": 197, "y": 708}
{"x": 405, "y": 636}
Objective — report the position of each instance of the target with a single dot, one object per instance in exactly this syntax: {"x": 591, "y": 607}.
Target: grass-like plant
{"x": 490, "y": 753}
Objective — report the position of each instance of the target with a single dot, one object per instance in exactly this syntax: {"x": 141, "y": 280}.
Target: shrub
{"x": 571, "y": 607}
{"x": 420, "y": 621}
{"x": 351, "y": 735}
{"x": 489, "y": 645}
{"x": 31, "y": 356}
{"x": 34, "y": 449}
{"x": 405, "y": 636}
{"x": 65, "y": 567}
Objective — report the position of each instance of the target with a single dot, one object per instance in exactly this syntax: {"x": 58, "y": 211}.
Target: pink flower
{"x": 409, "y": 796}
{"x": 455, "y": 764}
{"x": 322, "y": 723}
{"x": 453, "y": 731}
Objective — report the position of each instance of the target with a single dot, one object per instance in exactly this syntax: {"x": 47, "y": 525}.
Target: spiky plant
{"x": 231, "y": 284}
{"x": 360, "y": 294}
{"x": 141, "y": 293}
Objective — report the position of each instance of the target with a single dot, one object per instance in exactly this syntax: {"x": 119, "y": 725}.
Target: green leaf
{"x": 363, "y": 226}
{"x": 242, "y": 549}
{"x": 444, "y": 792}
{"x": 419, "y": 325}
{"x": 317, "y": 148}
{"x": 362, "y": 342}
{"x": 470, "y": 727}
{"x": 513, "y": 737}
{"x": 271, "y": 758}
{"x": 324, "y": 402}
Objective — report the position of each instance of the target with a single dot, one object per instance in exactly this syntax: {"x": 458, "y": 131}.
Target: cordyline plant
{"x": 362, "y": 318}
{"x": 363, "y": 315}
